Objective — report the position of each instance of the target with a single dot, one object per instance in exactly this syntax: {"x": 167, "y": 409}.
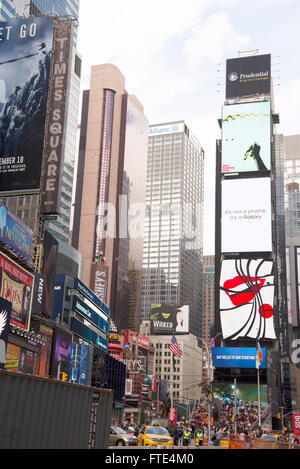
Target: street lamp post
{"x": 209, "y": 390}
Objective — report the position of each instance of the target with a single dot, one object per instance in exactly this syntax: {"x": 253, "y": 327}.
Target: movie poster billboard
{"x": 246, "y": 137}
{"x": 248, "y": 76}
{"x": 58, "y": 107}
{"x": 247, "y": 299}
{"x": 25, "y": 50}
{"x": 16, "y": 286}
{"x": 5, "y": 313}
{"x": 15, "y": 234}
{"x": 246, "y": 222}
{"x": 169, "y": 319}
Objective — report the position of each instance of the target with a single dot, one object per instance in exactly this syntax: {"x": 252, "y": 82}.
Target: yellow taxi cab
{"x": 153, "y": 435}
{"x": 272, "y": 437}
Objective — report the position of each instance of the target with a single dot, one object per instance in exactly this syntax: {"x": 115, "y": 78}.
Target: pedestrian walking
{"x": 176, "y": 436}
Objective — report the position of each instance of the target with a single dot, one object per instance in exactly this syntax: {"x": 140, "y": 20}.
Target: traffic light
{"x": 279, "y": 415}
{"x": 64, "y": 376}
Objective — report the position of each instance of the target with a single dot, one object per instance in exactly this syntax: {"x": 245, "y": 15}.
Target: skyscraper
{"x": 174, "y": 221}
{"x": 111, "y": 184}
{"x": 208, "y": 294}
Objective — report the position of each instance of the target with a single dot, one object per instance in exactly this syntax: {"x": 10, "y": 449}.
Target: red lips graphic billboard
{"x": 247, "y": 299}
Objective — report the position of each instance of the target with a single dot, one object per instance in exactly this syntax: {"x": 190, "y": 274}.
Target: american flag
{"x": 174, "y": 347}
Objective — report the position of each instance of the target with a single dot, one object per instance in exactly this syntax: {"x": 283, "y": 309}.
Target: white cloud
{"x": 212, "y": 39}
{"x": 134, "y": 29}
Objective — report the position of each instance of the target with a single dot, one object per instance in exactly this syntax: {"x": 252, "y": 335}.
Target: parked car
{"x": 152, "y": 435}
{"x": 119, "y": 437}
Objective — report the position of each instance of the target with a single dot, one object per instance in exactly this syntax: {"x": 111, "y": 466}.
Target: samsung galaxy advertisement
{"x": 248, "y": 76}
{"x": 25, "y": 49}
{"x": 247, "y": 299}
{"x": 246, "y": 215}
{"x": 246, "y": 137}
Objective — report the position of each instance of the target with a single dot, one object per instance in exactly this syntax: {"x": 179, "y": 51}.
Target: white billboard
{"x": 246, "y": 215}
{"x": 247, "y": 299}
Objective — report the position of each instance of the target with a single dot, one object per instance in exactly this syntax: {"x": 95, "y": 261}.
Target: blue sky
{"x": 173, "y": 56}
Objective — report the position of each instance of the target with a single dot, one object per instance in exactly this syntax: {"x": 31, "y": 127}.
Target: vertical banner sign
{"x": 5, "y": 312}
{"x": 296, "y": 424}
{"x": 99, "y": 279}
{"x": 49, "y": 273}
{"x": 173, "y": 416}
{"x": 57, "y": 110}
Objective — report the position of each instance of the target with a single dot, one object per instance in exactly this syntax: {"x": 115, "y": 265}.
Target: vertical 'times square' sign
{"x": 57, "y": 109}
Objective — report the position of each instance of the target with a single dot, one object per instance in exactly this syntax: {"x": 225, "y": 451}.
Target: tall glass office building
{"x": 173, "y": 240}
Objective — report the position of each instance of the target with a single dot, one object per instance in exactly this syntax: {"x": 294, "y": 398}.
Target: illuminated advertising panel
{"x": 237, "y": 357}
{"x": 79, "y": 363}
{"x": 246, "y": 137}
{"x": 25, "y": 49}
{"x": 14, "y": 234}
{"x": 90, "y": 314}
{"x": 247, "y": 299}
{"x": 248, "y": 76}
{"x": 246, "y": 394}
{"x": 56, "y": 125}
{"x": 61, "y": 352}
{"x": 16, "y": 286}
{"x": 169, "y": 319}
{"x": 246, "y": 215}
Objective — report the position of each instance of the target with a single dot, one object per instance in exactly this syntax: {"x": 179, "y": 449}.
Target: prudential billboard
{"x": 25, "y": 51}
{"x": 248, "y": 76}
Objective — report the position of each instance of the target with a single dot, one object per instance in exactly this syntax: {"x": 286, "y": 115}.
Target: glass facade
{"x": 131, "y": 230}
{"x": 105, "y": 153}
{"x": 173, "y": 222}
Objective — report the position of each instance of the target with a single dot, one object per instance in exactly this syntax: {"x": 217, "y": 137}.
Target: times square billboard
{"x": 169, "y": 319}
{"x": 26, "y": 51}
{"x": 246, "y": 137}
{"x": 248, "y": 76}
{"x": 246, "y": 220}
{"x": 247, "y": 294}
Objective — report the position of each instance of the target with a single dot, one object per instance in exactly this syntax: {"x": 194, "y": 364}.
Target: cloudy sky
{"x": 173, "y": 56}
